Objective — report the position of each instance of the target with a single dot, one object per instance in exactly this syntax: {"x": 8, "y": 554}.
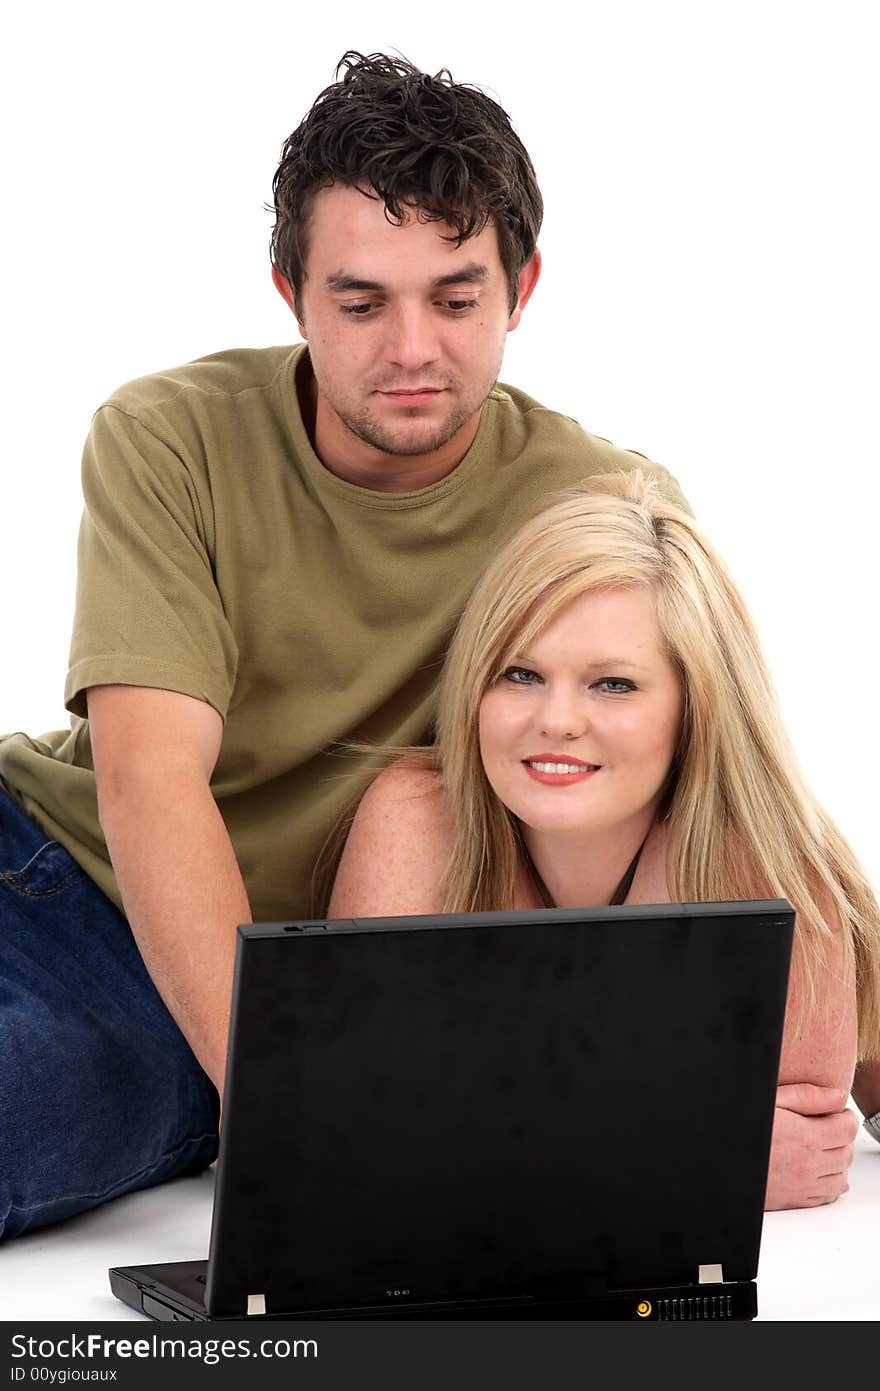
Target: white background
{"x": 710, "y": 294}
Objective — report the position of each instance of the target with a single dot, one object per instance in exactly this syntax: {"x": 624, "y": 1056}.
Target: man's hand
{"x": 812, "y": 1146}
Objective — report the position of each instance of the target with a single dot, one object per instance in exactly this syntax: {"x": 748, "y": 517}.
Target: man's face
{"x": 406, "y": 332}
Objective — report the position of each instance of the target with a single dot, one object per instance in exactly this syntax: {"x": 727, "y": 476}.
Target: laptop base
{"x": 175, "y": 1293}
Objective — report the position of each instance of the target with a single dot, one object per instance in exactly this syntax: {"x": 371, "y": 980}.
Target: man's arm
{"x": 154, "y": 753}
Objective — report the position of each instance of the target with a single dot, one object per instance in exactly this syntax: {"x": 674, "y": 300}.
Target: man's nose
{"x": 411, "y": 339}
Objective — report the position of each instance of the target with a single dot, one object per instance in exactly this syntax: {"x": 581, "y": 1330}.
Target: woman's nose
{"x": 562, "y": 716}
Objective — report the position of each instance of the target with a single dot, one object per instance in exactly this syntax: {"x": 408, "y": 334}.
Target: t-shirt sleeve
{"x": 668, "y": 483}
{"x": 148, "y": 611}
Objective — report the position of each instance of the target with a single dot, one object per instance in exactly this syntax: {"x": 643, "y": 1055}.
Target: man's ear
{"x": 528, "y": 279}
{"x": 282, "y": 285}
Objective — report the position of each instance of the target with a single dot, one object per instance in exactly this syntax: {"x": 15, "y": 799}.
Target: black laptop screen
{"x": 543, "y": 1104}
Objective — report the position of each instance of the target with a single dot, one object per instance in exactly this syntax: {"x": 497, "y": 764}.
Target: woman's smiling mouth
{"x": 559, "y": 770}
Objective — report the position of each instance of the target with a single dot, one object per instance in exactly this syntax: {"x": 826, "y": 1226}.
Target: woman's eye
{"x": 520, "y": 676}
{"x": 616, "y": 685}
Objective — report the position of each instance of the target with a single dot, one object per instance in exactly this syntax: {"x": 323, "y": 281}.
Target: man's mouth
{"x": 414, "y": 396}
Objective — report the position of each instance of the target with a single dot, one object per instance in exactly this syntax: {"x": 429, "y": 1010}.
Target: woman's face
{"x": 578, "y": 733}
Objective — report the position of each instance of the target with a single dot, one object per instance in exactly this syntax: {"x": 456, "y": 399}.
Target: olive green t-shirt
{"x": 219, "y": 558}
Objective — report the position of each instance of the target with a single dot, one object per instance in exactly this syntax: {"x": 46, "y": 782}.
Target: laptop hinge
{"x": 257, "y": 1304}
{"x": 710, "y": 1275}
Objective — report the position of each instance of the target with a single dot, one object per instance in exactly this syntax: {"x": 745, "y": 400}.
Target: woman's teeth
{"x": 562, "y": 767}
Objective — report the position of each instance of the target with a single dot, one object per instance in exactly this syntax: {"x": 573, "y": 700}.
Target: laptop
{"x": 522, "y": 1115}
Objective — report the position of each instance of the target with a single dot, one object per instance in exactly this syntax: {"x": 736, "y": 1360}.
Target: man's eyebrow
{"x": 340, "y": 281}
{"x": 470, "y": 274}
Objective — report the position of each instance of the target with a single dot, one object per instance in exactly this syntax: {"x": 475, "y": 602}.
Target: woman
{"x": 607, "y": 732}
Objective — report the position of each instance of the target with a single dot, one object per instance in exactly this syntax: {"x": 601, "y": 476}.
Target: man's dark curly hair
{"x": 413, "y": 140}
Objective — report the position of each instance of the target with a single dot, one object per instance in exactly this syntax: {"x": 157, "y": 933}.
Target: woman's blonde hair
{"x": 742, "y": 822}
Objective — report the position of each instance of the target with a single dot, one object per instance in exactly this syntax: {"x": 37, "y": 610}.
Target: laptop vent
{"x": 705, "y": 1306}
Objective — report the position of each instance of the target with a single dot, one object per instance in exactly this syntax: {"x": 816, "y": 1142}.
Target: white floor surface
{"x": 816, "y": 1264}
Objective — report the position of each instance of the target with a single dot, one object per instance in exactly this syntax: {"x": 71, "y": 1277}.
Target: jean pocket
{"x": 49, "y": 870}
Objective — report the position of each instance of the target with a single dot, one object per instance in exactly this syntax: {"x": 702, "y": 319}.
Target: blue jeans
{"x": 100, "y": 1092}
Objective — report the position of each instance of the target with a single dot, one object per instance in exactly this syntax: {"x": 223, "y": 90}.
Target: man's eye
{"x": 455, "y": 306}
{"x": 616, "y": 685}
{"x": 520, "y": 676}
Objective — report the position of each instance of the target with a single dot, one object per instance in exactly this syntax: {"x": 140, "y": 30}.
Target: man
{"x": 275, "y": 548}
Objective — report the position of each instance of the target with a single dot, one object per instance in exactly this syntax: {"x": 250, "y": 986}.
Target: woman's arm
{"x": 813, "y": 1133}
{"x": 819, "y": 1043}
{"x": 397, "y": 850}
{"x": 812, "y": 1130}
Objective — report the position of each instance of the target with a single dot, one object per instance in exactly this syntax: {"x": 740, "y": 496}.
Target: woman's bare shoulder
{"x": 412, "y": 795}
{"x": 398, "y": 848}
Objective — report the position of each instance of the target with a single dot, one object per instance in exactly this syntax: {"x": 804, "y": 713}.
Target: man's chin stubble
{"x": 366, "y": 428}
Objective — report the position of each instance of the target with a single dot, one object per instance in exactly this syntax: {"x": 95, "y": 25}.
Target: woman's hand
{"x": 812, "y": 1146}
